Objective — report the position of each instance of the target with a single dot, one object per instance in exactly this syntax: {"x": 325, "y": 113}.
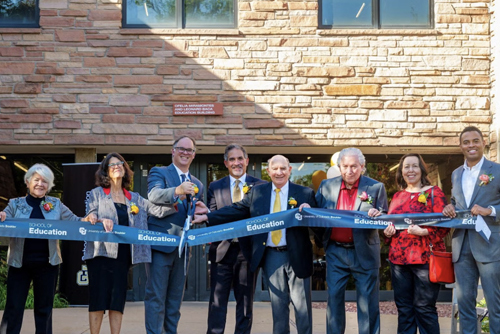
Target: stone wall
{"x": 81, "y": 80}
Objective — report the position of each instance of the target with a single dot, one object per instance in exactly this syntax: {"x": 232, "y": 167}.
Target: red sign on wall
{"x": 197, "y": 109}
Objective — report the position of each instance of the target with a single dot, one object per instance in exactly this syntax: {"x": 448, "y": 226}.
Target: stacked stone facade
{"x": 80, "y": 80}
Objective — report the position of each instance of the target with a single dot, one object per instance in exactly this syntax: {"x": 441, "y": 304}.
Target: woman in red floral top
{"x": 414, "y": 294}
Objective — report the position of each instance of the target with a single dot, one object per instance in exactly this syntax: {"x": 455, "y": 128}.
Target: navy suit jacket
{"x": 219, "y": 196}
{"x": 258, "y": 203}
{"x": 484, "y": 196}
{"x": 162, "y": 182}
{"x": 366, "y": 241}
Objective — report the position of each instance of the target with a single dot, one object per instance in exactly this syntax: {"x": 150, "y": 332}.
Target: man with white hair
{"x": 350, "y": 251}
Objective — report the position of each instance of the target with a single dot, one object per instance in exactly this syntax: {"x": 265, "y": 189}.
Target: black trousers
{"x": 233, "y": 270}
{"x": 44, "y": 277}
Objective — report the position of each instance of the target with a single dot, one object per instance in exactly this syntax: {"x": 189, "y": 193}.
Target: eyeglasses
{"x": 184, "y": 150}
{"x": 116, "y": 164}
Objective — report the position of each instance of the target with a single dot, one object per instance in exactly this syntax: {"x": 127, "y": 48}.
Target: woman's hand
{"x": 417, "y": 230}
{"x": 91, "y": 218}
{"x": 374, "y": 212}
{"x": 389, "y": 230}
{"x": 3, "y": 216}
{"x": 108, "y": 224}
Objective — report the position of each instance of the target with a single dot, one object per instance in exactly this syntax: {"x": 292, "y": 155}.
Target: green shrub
{"x": 485, "y": 324}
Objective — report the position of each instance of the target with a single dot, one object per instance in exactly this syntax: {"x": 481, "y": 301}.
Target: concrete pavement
{"x": 74, "y": 320}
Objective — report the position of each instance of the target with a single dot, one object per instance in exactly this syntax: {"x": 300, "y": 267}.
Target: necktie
{"x": 183, "y": 177}
{"x": 276, "y": 235}
{"x": 236, "y": 191}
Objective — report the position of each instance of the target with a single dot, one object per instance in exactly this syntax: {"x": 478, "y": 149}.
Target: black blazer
{"x": 258, "y": 203}
{"x": 219, "y": 196}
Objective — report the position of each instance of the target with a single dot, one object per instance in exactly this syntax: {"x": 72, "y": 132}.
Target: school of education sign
{"x": 197, "y": 109}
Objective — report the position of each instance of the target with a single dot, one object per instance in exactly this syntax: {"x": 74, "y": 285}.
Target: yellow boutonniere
{"x": 134, "y": 209}
{"x": 422, "y": 197}
{"x": 247, "y": 187}
{"x": 196, "y": 190}
{"x": 292, "y": 202}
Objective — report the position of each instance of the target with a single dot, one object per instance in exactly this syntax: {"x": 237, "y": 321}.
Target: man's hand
{"x": 201, "y": 208}
{"x": 3, "y": 215}
{"x": 449, "y": 211}
{"x": 304, "y": 205}
{"x": 185, "y": 188}
{"x": 199, "y": 219}
{"x": 374, "y": 212}
{"x": 480, "y": 211}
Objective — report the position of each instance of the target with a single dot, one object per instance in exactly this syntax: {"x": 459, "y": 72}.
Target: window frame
{"x": 35, "y": 24}
{"x": 180, "y": 19}
{"x": 376, "y": 19}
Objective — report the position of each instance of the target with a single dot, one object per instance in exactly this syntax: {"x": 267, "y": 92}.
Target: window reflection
{"x": 404, "y": 13}
{"x": 18, "y": 13}
{"x": 151, "y": 13}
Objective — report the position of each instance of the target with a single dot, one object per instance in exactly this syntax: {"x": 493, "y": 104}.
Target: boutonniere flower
{"x": 485, "y": 179}
{"x": 422, "y": 197}
{"x": 47, "y": 206}
{"x": 292, "y": 202}
{"x": 196, "y": 190}
{"x": 134, "y": 209}
{"x": 364, "y": 197}
{"x": 247, "y": 187}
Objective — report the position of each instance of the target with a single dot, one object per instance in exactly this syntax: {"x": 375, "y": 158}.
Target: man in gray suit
{"x": 349, "y": 251}
{"x": 166, "y": 278}
{"x": 476, "y": 187}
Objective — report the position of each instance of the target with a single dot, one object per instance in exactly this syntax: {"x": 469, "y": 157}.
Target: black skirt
{"x": 108, "y": 278}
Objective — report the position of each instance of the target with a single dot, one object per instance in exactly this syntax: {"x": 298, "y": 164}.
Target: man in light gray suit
{"x": 349, "y": 251}
{"x": 166, "y": 278}
{"x": 476, "y": 187}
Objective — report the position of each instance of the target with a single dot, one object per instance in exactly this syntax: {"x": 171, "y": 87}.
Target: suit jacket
{"x": 484, "y": 196}
{"x": 219, "y": 196}
{"x": 366, "y": 241}
{"x": 258, "y": 203}
{"x": 162, "y": 182}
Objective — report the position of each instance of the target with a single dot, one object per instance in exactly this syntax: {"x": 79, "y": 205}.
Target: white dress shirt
{"x": 284, "y": 206}
{"x": 232, "y": 181}
{"x": 470, "y": 177}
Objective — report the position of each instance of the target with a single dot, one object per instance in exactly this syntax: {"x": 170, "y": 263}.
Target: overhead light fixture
{"x": 21, "y": 167}
{"x": 301, "y": 166}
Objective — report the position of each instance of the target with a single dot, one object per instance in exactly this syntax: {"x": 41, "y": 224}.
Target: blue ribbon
{"x": 83, "y": 231}
{"x": 311, "y": 217}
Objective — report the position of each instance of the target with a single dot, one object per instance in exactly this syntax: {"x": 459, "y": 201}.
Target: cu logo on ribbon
{"x": 298, "y": 216}
{"x": 82, "y": 230}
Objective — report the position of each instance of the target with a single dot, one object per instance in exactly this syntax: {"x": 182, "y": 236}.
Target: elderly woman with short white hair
{"x": 33, "y": 260}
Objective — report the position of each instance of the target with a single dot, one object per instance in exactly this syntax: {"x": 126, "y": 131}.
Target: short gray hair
{"x": 231, "y": 147}
{"x": 352, "y": 151}
{"x": 43, "y": 171}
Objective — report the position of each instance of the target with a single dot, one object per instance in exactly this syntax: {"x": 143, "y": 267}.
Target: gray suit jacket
{"x": 366, "y": 241}
{"x": 484, "y": 196}
{"x": 162, "y": 182}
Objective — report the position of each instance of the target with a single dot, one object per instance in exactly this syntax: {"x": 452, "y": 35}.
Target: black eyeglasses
{"x": 116, "y": 164}
{"x": 184, "y": 150}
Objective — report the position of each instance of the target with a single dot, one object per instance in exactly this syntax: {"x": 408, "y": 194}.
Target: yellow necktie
{"x": 236, "y": 191}
{"x": 276, "y": 235}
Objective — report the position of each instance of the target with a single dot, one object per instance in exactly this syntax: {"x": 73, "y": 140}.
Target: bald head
{"x": 279, "y": 170}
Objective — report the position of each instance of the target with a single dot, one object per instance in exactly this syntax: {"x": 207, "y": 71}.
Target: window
{"x": 177, "y": 14}
{"x": 376, "y": 14}
{"x": 19, "y": 13}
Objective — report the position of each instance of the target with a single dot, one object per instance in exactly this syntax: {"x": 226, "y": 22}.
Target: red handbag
{"x": 441, "y": 267}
